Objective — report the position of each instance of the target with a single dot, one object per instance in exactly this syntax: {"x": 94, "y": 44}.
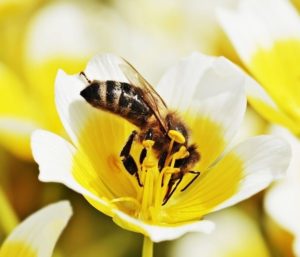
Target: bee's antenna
{"x": 86, "y": 78}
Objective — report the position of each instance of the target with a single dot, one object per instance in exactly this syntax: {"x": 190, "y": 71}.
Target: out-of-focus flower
{"x": 208, "y": 92}
{"x": 27, "y": 103}
{"x": 296, "y": 3}
{"x": 282, "y": 200}
{"x": 236, "y": 235}
{"x": 37, "y": 235}
{"x": 266, "y": 35}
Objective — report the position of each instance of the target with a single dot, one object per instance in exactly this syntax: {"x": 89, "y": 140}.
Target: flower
{"x": 243, "y": 238}
{"x": 209, "y": 94}
{"x": 270, "y": 50}
{"x": 282, "y": 200}
{"x": 27, "y": 83}
{"x": 37, "y": 235}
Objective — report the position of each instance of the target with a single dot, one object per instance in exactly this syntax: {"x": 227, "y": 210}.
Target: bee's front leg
{"x": 127, "y": 159}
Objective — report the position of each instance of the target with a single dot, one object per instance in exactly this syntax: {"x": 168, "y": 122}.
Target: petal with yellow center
{"x": 37, "y": 235}
{"x": 58, "y": 163}
{"x": 270, "y": 50}
{"x": 205, "y": 89}
{"x": 263, "y": 103}
{"x": 99, "y": 138}
{"x": 252, "y": 26}
{"x": 277, "y": 69}
{"x": 245, "y": 170}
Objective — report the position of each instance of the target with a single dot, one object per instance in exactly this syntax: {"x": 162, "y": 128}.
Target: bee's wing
{"x": 148, "y": 93}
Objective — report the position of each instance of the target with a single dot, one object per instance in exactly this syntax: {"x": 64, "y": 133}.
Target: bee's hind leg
{"x": 197, "y": 174}
{"x": 127, "y": 159}
{"x": 171, "y": 188}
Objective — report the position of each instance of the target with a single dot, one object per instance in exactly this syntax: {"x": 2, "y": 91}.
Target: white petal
{"x": 54, "y": 156}
{"x": 293, "y": 172}
{"x": 254, "y": 24}
{"x": 105, "y": 67}
{"x": 160, "y": 233}
{"x": 208, "y": 86}
{"x": 296, "y": 246}
{"x": 265, "y": 158}
{"x": 39, "y": 232}
{"x": 282, "y": 204}
{"x": 254, "y": 90}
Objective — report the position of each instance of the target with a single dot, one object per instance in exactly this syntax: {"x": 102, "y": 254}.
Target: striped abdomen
{"x": 118, "y": 97}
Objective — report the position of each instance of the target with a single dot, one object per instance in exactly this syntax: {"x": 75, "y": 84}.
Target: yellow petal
{"x": 278, "y": 71}
{"x": 15, "y": 100}
{"x": 247, "y": 169}
{"x": 18, "y": 117}
{"x": 97, "y": 165}
{"x": 209, "y": 137}
{"x": 41, "y": 76}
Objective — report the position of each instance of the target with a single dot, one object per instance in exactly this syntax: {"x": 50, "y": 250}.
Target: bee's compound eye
{"x": 91, "y": 93}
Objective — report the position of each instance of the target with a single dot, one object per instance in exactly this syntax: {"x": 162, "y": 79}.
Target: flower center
{"x": 158, "y": 184}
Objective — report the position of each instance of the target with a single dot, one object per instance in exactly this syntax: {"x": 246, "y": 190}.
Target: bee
{"x": 141, "y": 105}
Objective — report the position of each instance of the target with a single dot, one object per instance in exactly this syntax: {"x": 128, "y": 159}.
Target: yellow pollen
{"x": 176, "y": 136}
{"x": 148, "y": 143}
{"x": 170, "y": 170}
{"x": 155, "y": 183}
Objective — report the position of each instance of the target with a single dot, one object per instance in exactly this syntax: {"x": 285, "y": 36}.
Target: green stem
{"x": 8, "y": 218}
{"x": 147, "y": 247}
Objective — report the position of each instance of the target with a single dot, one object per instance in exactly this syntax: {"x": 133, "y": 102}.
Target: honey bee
{"x": 140, "y": 104}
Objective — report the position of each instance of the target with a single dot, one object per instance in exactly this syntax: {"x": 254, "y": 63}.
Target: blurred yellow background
{"x": 39, "y": 37}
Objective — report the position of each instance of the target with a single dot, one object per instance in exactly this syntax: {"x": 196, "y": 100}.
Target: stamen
{"x": 126, "y": 199}
{"x": 156, "y": 182}
{"x": 176, "y": 136}
{"x": 148, "y": 143}
{"x": 149, "y": 161}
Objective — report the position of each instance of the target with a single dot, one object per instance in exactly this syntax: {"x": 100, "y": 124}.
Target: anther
{"x": 169, "y": 170}
{"x": 182, "y": 153}
{"x": 176, "y": 136}
{"x": 148, "y": 143}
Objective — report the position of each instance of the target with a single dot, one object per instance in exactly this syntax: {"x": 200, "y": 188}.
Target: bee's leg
{"x": 162, "y": 160}
{"x": 149, "y": 136}
{"x": 197, "y": 174}
{"x": 172, "y": 188}
{"x": 128, "y": 160}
